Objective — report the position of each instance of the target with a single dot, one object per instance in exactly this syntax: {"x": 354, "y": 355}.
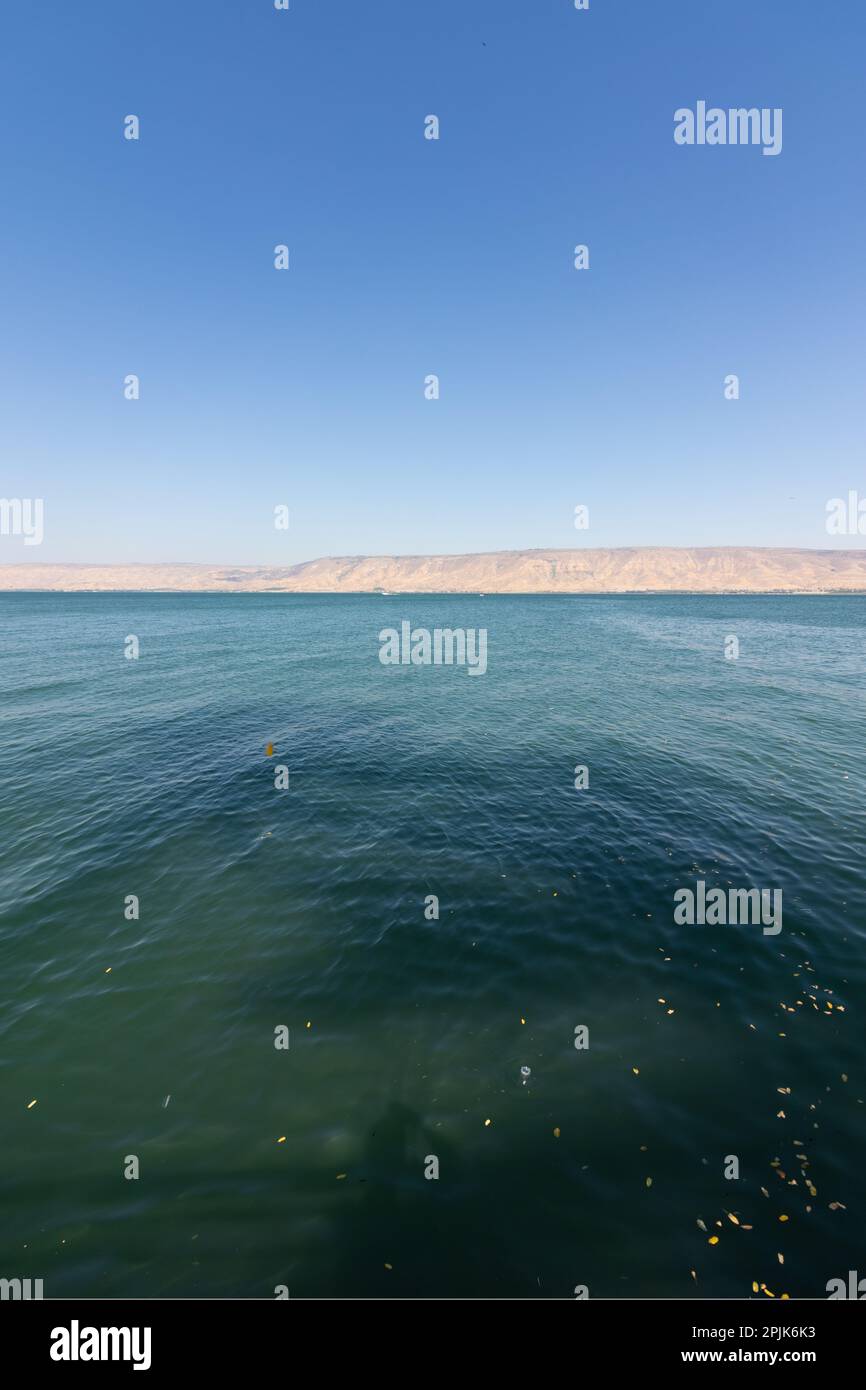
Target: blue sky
{"x": 411, "y": 257}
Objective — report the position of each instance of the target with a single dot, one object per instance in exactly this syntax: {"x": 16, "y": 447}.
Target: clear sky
{"x": 410, "y": 257}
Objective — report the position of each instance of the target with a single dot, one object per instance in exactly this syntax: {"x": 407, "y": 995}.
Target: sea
{"x": 330, "y": 978}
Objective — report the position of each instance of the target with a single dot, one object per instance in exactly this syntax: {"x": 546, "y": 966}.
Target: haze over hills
{"x": 643, "y": 569}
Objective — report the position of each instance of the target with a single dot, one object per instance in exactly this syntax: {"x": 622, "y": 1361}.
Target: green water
{"x": 263, "y": 908}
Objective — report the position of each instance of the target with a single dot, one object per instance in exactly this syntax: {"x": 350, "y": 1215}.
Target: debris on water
{"x": 713, "y": 1240}
{"x": 340, "y": 1176}
{"x": 165, "y": 1102}
{"x": 487, "y": 1122}
{"x": 269, "y": 751}
{"x": 557, "y": 1132}
{"x": 31, "y": 1105}
{"x": 525, "y": 1073}
{"x": 282, "y": 1139}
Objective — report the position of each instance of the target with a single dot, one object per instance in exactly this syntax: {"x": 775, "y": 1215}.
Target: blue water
{"x": 305, "y": 908}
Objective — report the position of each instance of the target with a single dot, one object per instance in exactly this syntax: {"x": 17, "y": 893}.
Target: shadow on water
{"x": 394, "y": 1219}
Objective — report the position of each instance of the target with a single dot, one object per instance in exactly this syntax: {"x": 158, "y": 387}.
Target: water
{"x": 304, "y": 908}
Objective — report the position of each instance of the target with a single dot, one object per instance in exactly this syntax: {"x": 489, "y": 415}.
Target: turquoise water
{"x": 262, "y": 907}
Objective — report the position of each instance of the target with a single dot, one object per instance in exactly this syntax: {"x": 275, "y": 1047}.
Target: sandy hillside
{"x": 627, "y": 570}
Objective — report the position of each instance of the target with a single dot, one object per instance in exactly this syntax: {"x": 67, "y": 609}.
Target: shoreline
{"x": 461, "y": 593}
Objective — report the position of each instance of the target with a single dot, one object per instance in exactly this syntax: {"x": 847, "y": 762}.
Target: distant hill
{"x": 641, "y": 569}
